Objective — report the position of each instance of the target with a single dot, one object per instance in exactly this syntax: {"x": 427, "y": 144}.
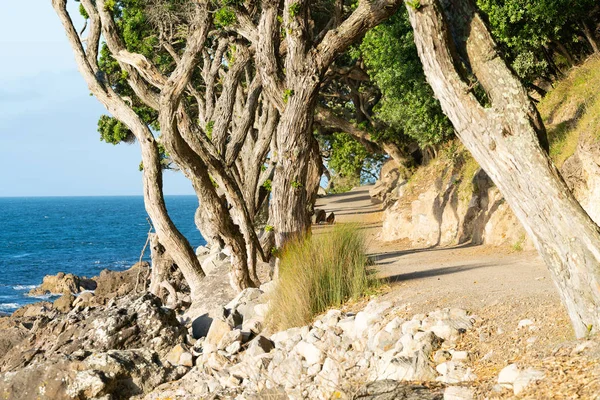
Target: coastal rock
{"x": 118, "y": 374}
{"x": 39, "y": 309}
{"x": 64, "y": 303}
{"x": 85, "y": 299}
{"x": 113, "y": 284}
{"x": 62, "y": 283}
{"x": 128, "y": 323}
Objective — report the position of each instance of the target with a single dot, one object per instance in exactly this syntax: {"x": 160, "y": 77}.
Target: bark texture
{"x": 502, "y": 138}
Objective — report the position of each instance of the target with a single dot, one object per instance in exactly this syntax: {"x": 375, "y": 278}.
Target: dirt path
{"x": 499, "y": 285}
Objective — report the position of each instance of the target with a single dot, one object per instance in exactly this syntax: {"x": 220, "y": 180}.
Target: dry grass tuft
{"x": 320, "y": 272}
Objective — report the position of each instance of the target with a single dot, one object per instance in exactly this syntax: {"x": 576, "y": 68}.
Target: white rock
{"x": 508, "y": 375}
{"x": 202, "y": 250}
{"x": 525, "y": 378}
{"x": 581, "y": 347}
{"x": 331, "y": 318}
{"x": 268, "y": 287}
{"x": 313, "y": 370}
{"x": 441, "y": 356}
{"x": 328, "y": 380}
{"x": 454, "y": 372}
{"x": 233, "y": 348}
{"x": 310, "y": 353}
{"x": 524, "y": 323}
{"x": 186, "y": 359}
{"x": 347, "y": 326}
{"x": 229, "y": 338}
{"x": 458, "y": 393}
{"x": 412, "y": 327}
{"x": 394, "y": 325}
{"x": 383, "y": 341}
{"x": 443, "y": 331}
{"x": 288, "y": 373}
{"x": 459, "y": 355}
{"x": 261, "y": 310}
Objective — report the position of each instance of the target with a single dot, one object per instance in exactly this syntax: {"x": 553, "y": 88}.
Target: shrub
{"x": 319, "y": 272}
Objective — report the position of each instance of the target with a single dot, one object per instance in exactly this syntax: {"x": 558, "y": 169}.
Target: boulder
{"x": 85, "y": 299}
{"x": 64, "y": 303}
{"x": 62, "y": 283}
{"x": 217, "y": 331}
{"x": 388, "y": 180}
{"x": 113, "y": 284}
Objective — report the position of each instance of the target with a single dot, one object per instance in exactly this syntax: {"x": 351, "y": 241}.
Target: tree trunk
{"x": 589, "y": 35}
{"x": 161, "y": 264}
{"x": 564, "y": 52}
{"x": 503, "y": 140}
{"x": 289, "y": 204}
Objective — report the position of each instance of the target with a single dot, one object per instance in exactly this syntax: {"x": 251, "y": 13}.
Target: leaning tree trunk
{"x": 450, "y": 34}
{"x": 589, "y": 35}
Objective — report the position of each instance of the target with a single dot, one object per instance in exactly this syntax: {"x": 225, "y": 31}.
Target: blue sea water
{"x": 81, "y": 235}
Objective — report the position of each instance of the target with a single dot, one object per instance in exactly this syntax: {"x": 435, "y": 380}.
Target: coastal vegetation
{"x": 319, "y": 272}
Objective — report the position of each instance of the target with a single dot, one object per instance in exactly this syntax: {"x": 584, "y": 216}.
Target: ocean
{"x": 83, "y": 235}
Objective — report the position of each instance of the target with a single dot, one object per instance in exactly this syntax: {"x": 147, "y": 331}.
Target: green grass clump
{"x": 319, "y": 272}
{"x": 572, "y": 110}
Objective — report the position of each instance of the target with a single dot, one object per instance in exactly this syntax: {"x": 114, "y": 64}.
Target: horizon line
{"x": 84, "y": 195}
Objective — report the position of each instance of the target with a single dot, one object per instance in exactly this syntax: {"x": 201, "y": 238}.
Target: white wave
{"x": 9, "y": 306}
{"x": 43, "y": 296}
{"x": 22, "y": 255}
{"x": 24, "y": 287}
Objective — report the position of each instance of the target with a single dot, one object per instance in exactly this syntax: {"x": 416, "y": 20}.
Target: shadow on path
{"x": 390, "y": 257}
{"x": 433, "y": 272}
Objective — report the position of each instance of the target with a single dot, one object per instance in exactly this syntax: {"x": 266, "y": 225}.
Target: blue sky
{"x": 48, "y": 137}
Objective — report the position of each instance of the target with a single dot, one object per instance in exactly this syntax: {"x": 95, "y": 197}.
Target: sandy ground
{"x": 500, "y": 286}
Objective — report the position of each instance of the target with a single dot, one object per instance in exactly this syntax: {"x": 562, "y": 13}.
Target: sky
{"x": 48, "y": 120}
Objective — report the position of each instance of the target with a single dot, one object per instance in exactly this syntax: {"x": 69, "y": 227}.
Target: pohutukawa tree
{"x": 226, "y": 89}
{"x": 454, "y": 44}
{"x": 200, "y": 91}
{"x": 294, "y": 51}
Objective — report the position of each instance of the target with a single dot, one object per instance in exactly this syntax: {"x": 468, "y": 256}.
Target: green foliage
{"x": 350, "y": 163}
{"x": 287, "y": 93}
{"x": 109, "y": 5}
{"x": 224, "y": 17}
{"x": 82, "y": 12}
{"x": 294, "y": 9}
{"x": 414, "y": 4}
{"x": 296, "y": 184}
{"x": 269, "y": 228}
{"x": 114, "y": 131}
{"x": 267, "y": 185}
{"x": 407, "y": 104}
{"x": 525, "y": 29}
{"x": 209, "y": 129}
{"x": 319, "y": 272}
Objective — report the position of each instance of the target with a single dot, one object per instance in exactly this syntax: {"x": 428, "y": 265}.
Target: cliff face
{"x": 452, "y": 201}
{"x": 447, "y": 203}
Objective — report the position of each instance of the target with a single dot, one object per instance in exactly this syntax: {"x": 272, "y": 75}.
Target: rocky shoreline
{"x": 121, "y": 342}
